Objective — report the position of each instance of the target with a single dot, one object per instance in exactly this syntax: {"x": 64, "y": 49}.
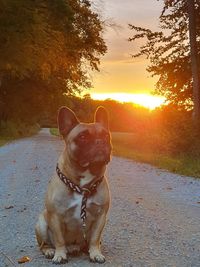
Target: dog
{"x": 78, "y": 197}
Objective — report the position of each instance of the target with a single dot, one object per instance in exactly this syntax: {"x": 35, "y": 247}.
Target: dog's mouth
{"x": 100, "y": 162}
{"x": 94, "y": 163}
{"x": 97, "y": 161}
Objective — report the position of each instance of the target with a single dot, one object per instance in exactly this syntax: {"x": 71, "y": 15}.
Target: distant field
{"x": 126, "y": 145}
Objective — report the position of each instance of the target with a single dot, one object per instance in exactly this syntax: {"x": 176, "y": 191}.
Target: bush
{"x": 17, "y": 129}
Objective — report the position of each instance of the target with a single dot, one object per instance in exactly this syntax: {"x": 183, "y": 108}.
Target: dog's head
{"x": 87, "y": 144}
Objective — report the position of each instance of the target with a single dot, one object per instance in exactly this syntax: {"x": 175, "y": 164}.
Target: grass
{"x": 4, "y": 140}
{"x": 10, "y": 131}
{"x": 125, "y": 145}
{"x": 54, "y": 131}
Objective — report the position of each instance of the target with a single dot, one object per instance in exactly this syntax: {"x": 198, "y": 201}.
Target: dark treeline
{"x": 125, "y": 117}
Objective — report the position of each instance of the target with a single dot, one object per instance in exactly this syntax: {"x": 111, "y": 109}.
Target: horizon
{"x": 148, "y": 101}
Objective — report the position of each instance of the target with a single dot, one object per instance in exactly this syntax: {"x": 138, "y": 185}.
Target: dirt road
{"x": 154, "y": 219}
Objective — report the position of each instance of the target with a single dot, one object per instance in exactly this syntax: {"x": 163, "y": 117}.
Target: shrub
{"x": 17, "y": 129}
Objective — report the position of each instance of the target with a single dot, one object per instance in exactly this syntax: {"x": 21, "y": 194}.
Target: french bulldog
{"x": 78, "y": 197}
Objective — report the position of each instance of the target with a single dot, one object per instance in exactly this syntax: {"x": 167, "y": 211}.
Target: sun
{"x": 146, "y": 100}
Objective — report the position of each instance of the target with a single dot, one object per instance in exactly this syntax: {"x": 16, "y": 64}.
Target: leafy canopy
{"x": 168, "y": 51}
{"x": 47, "y": 47}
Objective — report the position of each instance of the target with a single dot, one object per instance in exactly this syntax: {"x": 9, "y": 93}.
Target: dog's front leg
{"x": 57, "y": 229}
{"x": 95, "y": 239}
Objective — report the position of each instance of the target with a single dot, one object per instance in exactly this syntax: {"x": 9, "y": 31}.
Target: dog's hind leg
{"x": 43, "y": 238}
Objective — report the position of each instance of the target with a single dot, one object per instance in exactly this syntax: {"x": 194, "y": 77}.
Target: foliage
{"x": 10, "y": 130}
{"x": 46, "y": 48}
{"x": 169, "y": 52}
{"x": 125, "y": 145}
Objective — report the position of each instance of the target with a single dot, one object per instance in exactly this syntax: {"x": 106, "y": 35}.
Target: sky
{"x": 119, "y": 72}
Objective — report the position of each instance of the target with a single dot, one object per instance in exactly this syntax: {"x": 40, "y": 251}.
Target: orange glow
{"x": 145, "y": 100}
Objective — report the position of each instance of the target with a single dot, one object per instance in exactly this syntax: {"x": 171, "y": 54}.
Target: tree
{"x": 47, "y": 48}
{"x": 169, "y": 52}
{"x": 194, "y": 61}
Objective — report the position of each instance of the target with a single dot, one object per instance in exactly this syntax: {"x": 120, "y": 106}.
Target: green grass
{"x": 125, "y": 145}
{"x": 10, "y": 131}
{"x": 54, "y": 131}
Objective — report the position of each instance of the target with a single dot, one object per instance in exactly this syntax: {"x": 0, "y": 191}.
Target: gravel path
{"x": 154, "y": 218}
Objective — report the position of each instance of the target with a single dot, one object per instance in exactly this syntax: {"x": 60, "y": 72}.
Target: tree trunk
{"x": 194, "y": 63}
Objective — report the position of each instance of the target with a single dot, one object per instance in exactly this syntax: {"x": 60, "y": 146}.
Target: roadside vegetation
{"x": 54, "y": 131}
{"x": 126, "y": 145}
{"x": 13, "y": 130}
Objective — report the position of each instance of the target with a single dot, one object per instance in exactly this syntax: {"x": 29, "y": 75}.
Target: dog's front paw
{"x": 60, "y": 257}
{"x": 48, "y": 252}
{"x": 97, "y": 256}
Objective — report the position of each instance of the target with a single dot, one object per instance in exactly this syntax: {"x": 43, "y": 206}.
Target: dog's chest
{"x": 75, "y": 202}
{"x": 69, "y": 204}
{"x": 74, "y": 206}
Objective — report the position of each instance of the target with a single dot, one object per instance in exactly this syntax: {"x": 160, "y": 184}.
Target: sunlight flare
{"x": 145, "y": 100}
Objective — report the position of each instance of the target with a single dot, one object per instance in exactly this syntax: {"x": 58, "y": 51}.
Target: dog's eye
{"x": 84, "y": 137}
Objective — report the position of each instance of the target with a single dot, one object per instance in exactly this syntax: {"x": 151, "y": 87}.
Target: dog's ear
{"x": 101, "y": 116}
{"x": 67, "y": 120}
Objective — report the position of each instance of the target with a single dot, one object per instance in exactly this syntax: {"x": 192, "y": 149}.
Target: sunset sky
{"x": 119, "y": 72}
